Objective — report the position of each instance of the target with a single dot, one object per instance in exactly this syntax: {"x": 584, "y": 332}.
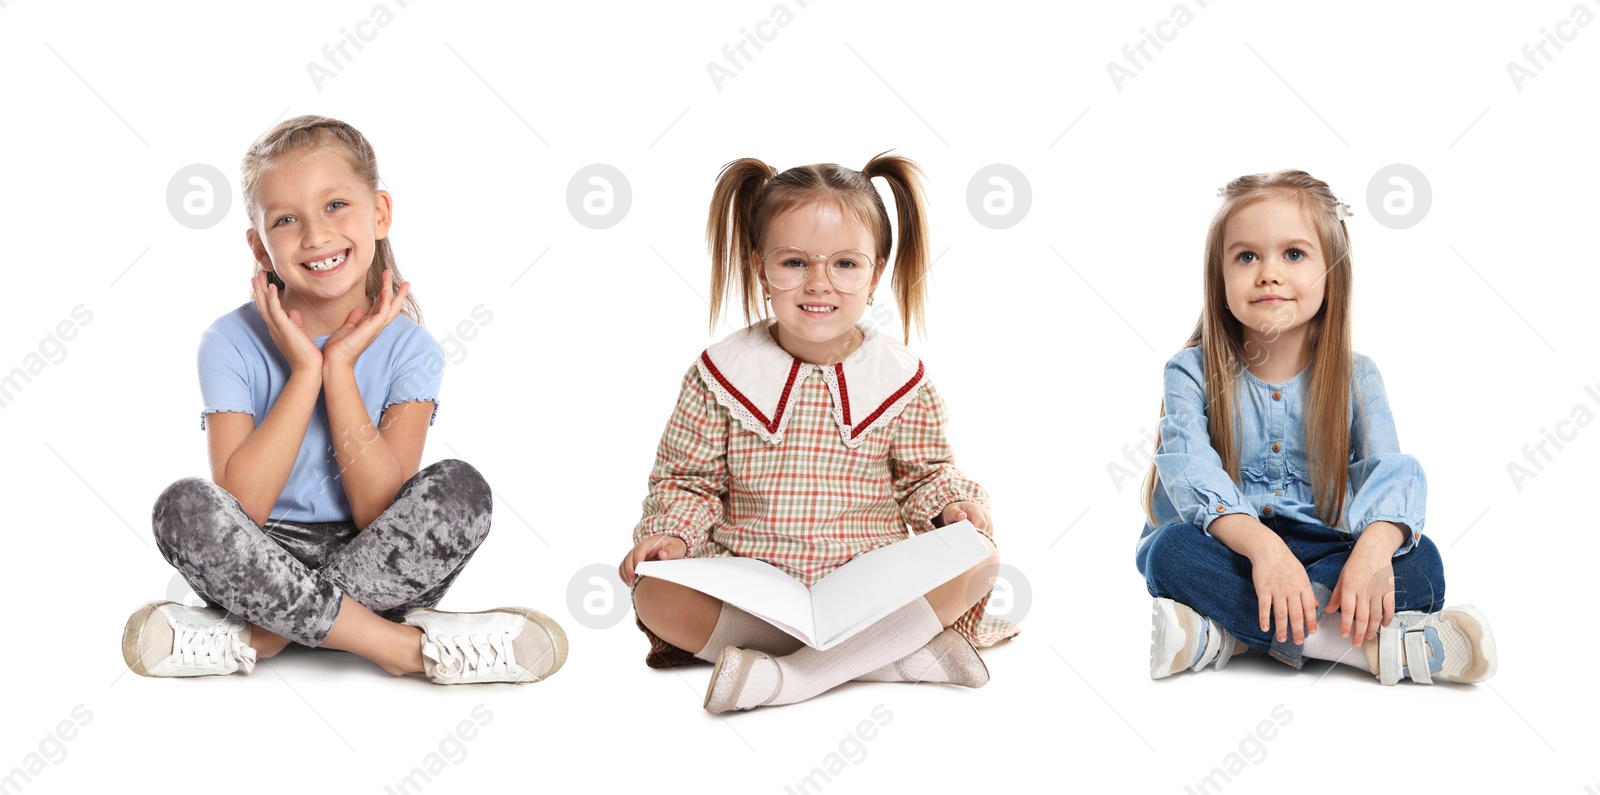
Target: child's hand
{"x": 347, "y": 342}
{"x": 653, "y": 548}
{"x": 1364, "y": 596}
{"x": 1283, "y": 589}
{"x": 288, "y": 333}
{"x": 969, "y": 511}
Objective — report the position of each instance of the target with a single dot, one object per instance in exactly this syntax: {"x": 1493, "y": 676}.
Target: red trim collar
{"x": 770, "y": 424}
{"x": 748, "y": 371}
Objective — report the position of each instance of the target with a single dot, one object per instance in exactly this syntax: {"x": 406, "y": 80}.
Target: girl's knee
{"x": 1174, "y": 546}
{"x": 186, "y": 493}
{"x": 656, "y": 597}
{"x": 455, "y": 471}
{"x": 1420, "y": 572}
{"x": 450, "y": 496}
{"x": 1427, "y": 552}
{"x": 191, "y": 511}
{"x": 979, "y": 580}
{"x": 459, "y": 488}
{"x": 1423, "y": 560}
{"x": 671, "y": 610}
{"x": 657, "y": 605}
{"x": 1181, "y": 558}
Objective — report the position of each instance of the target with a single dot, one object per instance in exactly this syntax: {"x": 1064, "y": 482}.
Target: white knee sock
{"x": 735, "y": 627}
{"x": 809, "y": 672}
{"x": 920, "y": 666}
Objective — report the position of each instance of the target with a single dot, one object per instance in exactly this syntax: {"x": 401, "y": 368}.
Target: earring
{"x": 766, "y": 296}
{"x": 869, "y": 299}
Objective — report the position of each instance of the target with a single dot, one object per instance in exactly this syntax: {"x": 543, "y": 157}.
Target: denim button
{"x": 1276, "y": 447}
{"x": 1221, "y": 508}
{"x": 1277, "y": 396}
{"x": 1267, "y": 510}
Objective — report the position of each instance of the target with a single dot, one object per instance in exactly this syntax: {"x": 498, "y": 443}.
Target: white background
{"x": 1480, "y": 316}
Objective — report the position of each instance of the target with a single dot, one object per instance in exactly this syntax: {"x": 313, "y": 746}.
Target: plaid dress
{"x": 805, "y": 466}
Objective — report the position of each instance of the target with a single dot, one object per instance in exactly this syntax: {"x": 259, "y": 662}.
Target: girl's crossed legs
{"x": 1188, "y": 566}
{"x": 329, "y": 584}
{"x": 896, "y": 648}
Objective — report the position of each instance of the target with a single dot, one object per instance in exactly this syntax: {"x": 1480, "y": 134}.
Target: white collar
{"x": 753, "y": 378}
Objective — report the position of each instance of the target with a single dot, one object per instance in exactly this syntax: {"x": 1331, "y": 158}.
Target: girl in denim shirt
{"x": 1279, "y": 494}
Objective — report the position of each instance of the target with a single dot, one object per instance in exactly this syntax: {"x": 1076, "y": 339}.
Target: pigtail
{"x": 730, "y": 234}
{"x": 911, "y": 258}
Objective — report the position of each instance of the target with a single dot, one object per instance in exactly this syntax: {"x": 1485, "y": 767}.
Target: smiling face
{"x": 318, "y": 228}
{"x": 815, "y": 321}
{"x": 1273, "y": 266}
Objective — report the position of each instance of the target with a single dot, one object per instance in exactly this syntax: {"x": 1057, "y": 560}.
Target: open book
{"x": 846, "y": 601}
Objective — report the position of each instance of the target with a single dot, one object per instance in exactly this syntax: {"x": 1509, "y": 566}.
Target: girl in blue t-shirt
{"x": 1279, "y": 494}
{"x": 317, "y": 526}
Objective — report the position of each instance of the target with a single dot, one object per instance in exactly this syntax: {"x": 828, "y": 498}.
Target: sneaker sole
{"x": 1166, "y": 638}
{"x": 558, "y": 637}
{"x": 133, "y": 637}
{"x": 1481, "y": 638}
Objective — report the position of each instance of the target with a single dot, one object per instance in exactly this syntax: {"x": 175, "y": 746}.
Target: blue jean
{"x": 1185, "y": 565}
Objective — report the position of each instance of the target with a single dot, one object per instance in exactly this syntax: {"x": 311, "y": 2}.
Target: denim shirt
{"x": 1275, "y": 477}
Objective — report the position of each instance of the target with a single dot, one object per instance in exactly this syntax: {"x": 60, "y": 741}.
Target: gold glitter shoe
{"x": 728, "y": 678}
{"x": 960, "y": 661}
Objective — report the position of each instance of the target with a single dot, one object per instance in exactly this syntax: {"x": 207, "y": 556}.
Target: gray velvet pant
{"x": 289, "y": 577}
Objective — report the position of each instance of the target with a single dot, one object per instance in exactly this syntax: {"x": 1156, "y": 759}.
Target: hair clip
{"x": 1342, "y": 211}
{"x": 1222, "y": 192}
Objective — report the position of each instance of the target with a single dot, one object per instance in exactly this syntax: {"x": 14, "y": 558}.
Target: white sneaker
{"x": 1454, "y": 645}
{"x": 1176, "y": 633}
{"x": 507, "y": 644}
{"x": 170, "y": 639}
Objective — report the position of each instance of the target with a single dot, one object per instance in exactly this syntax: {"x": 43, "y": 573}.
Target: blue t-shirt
{"x": 1275, "y": 475}
{"x": 242, "y": 370}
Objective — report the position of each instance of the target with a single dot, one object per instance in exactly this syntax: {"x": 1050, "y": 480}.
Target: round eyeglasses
{"x": 788, "y": 267}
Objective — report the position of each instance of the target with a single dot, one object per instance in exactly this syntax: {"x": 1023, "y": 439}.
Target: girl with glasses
{"x": 808, "y": 438}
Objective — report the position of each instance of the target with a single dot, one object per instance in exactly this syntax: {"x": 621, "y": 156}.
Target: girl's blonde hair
{"x": 305, "y": 135}
{"x": 1225, "y": 352}
{"x": 750, "y": 194}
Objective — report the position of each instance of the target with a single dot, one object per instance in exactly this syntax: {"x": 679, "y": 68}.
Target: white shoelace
{"x": 468, "y": 657}
{"x": 213, "y": 645}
